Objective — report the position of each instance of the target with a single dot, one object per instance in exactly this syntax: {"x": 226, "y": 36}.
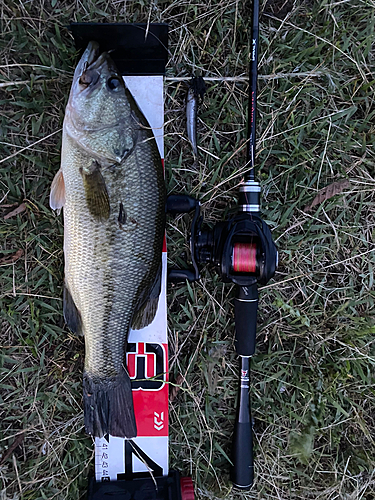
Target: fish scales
{"x": 104, "y": 280}
{"x": 114, "y": 219}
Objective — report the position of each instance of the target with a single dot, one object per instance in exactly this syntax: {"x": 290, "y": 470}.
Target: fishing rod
{"x": 253, "y": 83}
{"x": 246, "y": 300}
{"x": 243, "y": 252}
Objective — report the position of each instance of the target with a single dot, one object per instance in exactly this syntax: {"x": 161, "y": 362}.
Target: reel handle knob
{"x": 181, "y": 275}
{"x": 245, "y": 317}
{"x": 180, "y": 204}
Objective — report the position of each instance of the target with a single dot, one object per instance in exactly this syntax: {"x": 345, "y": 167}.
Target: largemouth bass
{"x": 111, "y": 186}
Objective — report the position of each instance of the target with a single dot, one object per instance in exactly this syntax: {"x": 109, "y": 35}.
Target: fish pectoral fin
{"x": 97, "y": 198}
{"x": 71, "y": 314}
{"x": 57, "y": 194}
{"x": 145, "y": 314}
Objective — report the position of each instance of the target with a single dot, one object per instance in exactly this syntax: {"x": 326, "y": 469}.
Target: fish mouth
{"x": 91, "y": 53}
{"x": 88, "y": 57}
{"x": 92, "y": 64}
{"x": 102, "y": 61}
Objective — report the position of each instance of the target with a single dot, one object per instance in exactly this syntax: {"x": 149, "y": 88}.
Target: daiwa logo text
{"x": 158, "y": 420}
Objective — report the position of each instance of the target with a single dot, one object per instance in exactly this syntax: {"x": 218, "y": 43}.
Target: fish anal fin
{"x": 57, "y": 194}
{"x": 145, "y": 314}
{"x": 97, "y": 198}
{"x": 71, "y": 314}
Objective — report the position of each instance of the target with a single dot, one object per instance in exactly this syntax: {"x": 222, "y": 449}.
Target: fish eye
{"x": 114, "y": 83}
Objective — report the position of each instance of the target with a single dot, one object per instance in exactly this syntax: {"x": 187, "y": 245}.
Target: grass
{"x": 313, "y": 373}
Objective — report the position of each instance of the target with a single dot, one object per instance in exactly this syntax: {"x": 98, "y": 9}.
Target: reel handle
{"x": 245, "y": 317}
{"x": 183, "y": 204}
{"x": 242, "y": 470}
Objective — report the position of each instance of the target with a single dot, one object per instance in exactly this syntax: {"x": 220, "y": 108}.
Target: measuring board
{"x": 147, "y": 350}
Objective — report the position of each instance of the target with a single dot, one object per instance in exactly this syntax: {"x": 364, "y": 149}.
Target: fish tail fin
{"x": 108, "y": 406}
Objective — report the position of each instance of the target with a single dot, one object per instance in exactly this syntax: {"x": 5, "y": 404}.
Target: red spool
{"x": 187, "y": 488}
{"x": 244, "y": 257}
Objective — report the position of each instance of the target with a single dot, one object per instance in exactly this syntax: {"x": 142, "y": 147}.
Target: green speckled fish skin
{"x": 112, "y": 257}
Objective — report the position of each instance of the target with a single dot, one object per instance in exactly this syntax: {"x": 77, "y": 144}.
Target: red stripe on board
{"x": 151, "y": 406}
{"x": 164, "y": 241}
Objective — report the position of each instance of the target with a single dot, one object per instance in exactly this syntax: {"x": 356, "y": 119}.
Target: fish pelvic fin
{"x": 57, "y": 194}
{"x": 145, "y": 314}
{"x": 97, "y": 198}
{"x": 72, "y": 315}
{"x": 108, "y": 406}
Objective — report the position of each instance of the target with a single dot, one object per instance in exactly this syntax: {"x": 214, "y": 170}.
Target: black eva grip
{"x": 242, "y": 470}
{"x": 245, "y": 316}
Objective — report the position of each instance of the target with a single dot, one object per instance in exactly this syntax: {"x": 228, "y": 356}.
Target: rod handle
{"x": 242, "y": 470}
{"x": 245, "y": 317}
{"x": 242, "y": 473}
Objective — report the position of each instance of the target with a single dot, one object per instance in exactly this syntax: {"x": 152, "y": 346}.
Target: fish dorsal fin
{"x": 57, "y": 195}
{"x": 145, "y": 314}
{"x": 97, "y": 198}
{"x": 71, "y": 314}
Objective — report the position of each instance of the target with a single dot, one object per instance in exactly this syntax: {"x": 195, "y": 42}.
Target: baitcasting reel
{"x": 241, "y": 249}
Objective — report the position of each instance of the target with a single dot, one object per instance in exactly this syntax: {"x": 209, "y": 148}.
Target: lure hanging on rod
{"x": 194, "y": 98}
